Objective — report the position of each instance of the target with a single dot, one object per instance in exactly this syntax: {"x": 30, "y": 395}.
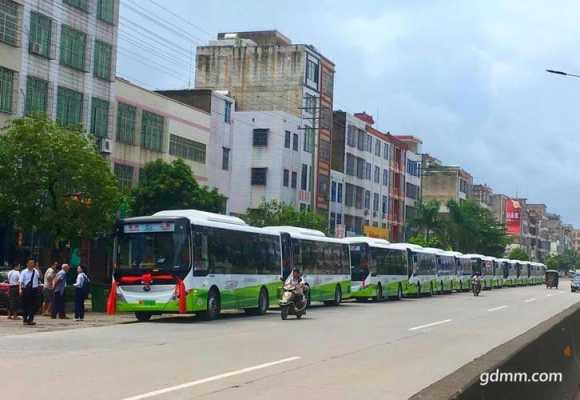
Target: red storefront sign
{"x": 513, "y": 216}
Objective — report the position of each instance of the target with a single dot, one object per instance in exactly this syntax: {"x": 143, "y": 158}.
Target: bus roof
{"x": 203, "y": 218}
{"x": 374, "y": 242}
{"x": 296, "y": 230}
{"x": 475, "y": 256}
{"x": 406, "y": 246}
{"x": 303, "y": 234}
{"x": 197, "y": 215}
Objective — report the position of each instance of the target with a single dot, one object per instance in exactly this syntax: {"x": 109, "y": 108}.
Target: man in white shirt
{"x": 13, "y": 291}
{"x": 29, "y": 289}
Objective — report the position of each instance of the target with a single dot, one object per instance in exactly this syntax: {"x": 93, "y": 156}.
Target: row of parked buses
{"x": 189, "y": 261}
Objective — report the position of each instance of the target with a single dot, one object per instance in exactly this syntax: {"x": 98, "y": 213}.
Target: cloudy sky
{"x": 467, "y": 77}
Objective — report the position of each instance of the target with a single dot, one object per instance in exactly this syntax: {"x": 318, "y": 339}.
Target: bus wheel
{"x": 143, "y": 316}
{"x": 263, "y": 304}
{"x": 337, "y": 295}
{"x": 399, "y": 293}
{"x": 213, "y": 306}
{"x": 418, "y": 290}
{"x": 379, "y": 295}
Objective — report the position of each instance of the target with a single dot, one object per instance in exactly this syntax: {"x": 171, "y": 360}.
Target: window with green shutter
{"x": 36, "y": 96}
{"x": 103, "y": 57}
{"x": 72, "y": 48}
{"x": 152, "y": 131}
{"x": 6, "y": 90}
{"x": 106, "y": 10}
{"x": 186, "y": 148}
{"x": 100, "y": 117}
{"x": 124, "y": 174}
{"x": 82, "y": 5}
{"x": 69, "y": 110}
{"x": 40, "y": 34}
{"x": 8, "y": 22}
{"x": 126, "y": 120}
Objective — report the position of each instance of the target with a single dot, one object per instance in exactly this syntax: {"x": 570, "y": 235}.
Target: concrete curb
{"x": 552, "y": 346}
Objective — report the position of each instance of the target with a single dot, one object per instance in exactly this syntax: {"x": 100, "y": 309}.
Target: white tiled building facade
{"x": 58, "y": 58}
{"x": 272, "y": 161}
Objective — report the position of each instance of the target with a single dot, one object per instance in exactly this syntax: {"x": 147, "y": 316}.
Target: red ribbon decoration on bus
{"x": 182, "y": 296}
{"x": 112, "y": 299}
{"x": 147, "y": 279}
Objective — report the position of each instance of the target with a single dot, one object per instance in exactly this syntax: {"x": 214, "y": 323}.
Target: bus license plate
{"x": 147, "y": 302}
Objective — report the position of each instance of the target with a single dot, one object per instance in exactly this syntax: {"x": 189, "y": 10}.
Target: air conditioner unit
{"x": 35, "y": 48}
{"x": 105, "y": 146}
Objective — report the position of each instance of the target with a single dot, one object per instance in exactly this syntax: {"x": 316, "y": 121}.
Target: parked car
{"x": 575, "y": 283}
{"x": 4, "y": 288}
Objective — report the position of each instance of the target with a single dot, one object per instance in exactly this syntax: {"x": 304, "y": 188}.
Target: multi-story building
{"x": 151, "y": 126}
{"x": 412, "y": 174}
{"x": 265, "y": 71}
{"x": 369, "y": 169}
{"x": 482, "y": 194}
{"x": 497, "y": 206}
{"x": 58, "y": 58}
{"x": 576, "y": 240}
{"x": 272, "y": 160}
{"x": 220, "y": 149}
{"x": 538, "y": 232}
{"x": 444, "y": 182}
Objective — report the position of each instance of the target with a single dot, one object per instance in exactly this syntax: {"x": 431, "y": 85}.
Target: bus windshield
{"x": 153, "y": 246}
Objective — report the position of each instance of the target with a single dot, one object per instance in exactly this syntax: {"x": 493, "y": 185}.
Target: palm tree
{"x": 427, "y": 220}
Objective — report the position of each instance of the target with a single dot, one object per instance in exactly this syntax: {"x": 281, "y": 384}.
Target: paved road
{"x": 373, "y": 351}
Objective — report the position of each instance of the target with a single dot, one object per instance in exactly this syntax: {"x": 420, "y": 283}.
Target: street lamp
{"x": 561, "y": 73}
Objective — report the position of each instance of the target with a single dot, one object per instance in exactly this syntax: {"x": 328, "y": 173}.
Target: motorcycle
{"x": 476, "y": 286}
{"x": 292, "y": 303}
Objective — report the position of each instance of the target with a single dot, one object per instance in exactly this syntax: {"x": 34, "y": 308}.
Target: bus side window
{"x": 200, "y": 254}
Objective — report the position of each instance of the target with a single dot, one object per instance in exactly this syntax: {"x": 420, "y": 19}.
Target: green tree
{"x": 427, "y": 221}
{"x": 519, "y": 254}
{"x": 53, "y": 181}
{"x": 469, "y": 228}
{"x": 171, "y": 186}
{"x": 276, "y": 213}
{"x": 433, "y": 241}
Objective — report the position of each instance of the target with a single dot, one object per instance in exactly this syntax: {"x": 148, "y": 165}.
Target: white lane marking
{"x": 430, "y": 325}
{"x": 530, "y": 300}
{"x": 210, "y": 379}
{"x": 497, "y": 308}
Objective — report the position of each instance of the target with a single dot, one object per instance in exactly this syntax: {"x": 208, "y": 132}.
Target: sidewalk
{"x": 47, "y": 324}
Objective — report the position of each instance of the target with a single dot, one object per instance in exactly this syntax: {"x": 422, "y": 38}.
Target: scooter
{"x": 476, "y": 286}
{"x": 292, "y": 303}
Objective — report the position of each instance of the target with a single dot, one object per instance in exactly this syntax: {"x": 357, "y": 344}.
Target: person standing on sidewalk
{"x": 13, "y": 291}
{"x": 29, "y": 289}
{"x": 59, "y": 285}
{"x": 48, "y": 290}
{"x": 81, "y": 286}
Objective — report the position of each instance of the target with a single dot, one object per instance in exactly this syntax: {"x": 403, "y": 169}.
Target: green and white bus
{"x": 498, "y": 272}
{"x": 324, "y": 262}
{"x": 538, "y": 272}
{"x": 378, "y": 270}
{"x": 422, "y": 269}
{"x": 464, "y": 271}
{"x": 446, "y": 278}
{"x": 512, "y": 273}
{"x": 189, "y": 261}
{"x": 484, "y": 266}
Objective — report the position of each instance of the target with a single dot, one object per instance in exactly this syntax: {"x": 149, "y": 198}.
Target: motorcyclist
{"x": 296, "y": 281}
